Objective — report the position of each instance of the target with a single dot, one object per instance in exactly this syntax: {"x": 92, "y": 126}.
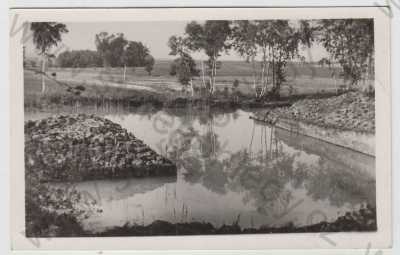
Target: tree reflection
{"x": 268, "y": 177}
{"x": 214, "y": 177}
{"x": 263, "y": 180}
{"x": 340, "y": 185}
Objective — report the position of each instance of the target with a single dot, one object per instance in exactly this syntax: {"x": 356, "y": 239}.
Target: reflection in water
{"x": 229, "y": 168}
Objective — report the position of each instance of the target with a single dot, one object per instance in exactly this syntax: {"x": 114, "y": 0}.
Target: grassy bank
{"x": 58, "y": 96}
{"x": 63, "y": 94}
{"x": 360, "y": 220}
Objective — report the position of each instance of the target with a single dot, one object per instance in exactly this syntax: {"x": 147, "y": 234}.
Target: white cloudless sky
{"x": 154, "y": 35}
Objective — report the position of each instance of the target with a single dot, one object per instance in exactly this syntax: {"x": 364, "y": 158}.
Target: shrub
{"x": 369, "y": 91}
{"x": 226, "y": 92}
{"x": 235, "y": 83}
{"x": 80, "y": 87}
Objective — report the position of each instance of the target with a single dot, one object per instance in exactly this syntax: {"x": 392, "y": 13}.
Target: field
{"x": 303, "y": 78}
{"x": 160, "y": 86}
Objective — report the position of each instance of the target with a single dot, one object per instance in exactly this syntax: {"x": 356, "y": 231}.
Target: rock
{"x": 82, "y": 147}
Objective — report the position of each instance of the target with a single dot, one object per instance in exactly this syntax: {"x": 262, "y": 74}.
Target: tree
{"x": 351, "y": 43}
{"x": 276, "y": 41}
{"x": 111, "y": 48}
{"x": 135, "y": 55}
{"x": 149, "y": 63}
{"x": 324, "y": 62}
{"x": 79, "y": 58}
{"x": 184, "y": 66}
{"x": 102, "y": 41}
{"x": 307, "y": 32}
{"x": 117, "y": 50}
{"x": 45, "y": 36}
{"x": 265, "y": 37}
{"x": 244, "y": 42}
{"x": 235, "y": 84}
{"x": 211, "y": 38}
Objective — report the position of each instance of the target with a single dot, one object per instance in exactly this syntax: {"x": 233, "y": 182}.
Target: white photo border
{"x": 343, "y": 240}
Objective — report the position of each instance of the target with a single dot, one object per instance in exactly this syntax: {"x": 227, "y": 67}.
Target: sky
{"x": 154, "y": 35}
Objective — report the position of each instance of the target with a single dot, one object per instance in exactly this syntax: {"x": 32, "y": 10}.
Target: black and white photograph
{"x": 200, "y": 126}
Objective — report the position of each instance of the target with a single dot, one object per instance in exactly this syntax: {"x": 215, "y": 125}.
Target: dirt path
{"x": 94, "y": 82}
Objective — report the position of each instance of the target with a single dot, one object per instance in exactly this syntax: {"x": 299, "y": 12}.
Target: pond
{"x": 230, "y": 169}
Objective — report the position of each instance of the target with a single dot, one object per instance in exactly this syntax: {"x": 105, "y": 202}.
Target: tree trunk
{"x": 254, "y": 73}
{"x": 202, "y": 73}
{"x": 262, "y": 77}
{"x": 267, "y": 75}
{"x": 273, "y": 70}
{"x": 212, "y": 77}
{"x": 43, "y": 73}
{"x": 264, "y": 64}
{"x": 334, "y": 79}
{"x": 215, "y": 73}
{"x": 191, "y": 87}
{"x": 124, "y": 73}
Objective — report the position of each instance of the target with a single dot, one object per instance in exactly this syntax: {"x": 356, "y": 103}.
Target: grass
{"x": 56, "y": 95}
{"x": 228, "y": 68}
{"x": 105, "y": 85}
{"x": 304, "y": 78}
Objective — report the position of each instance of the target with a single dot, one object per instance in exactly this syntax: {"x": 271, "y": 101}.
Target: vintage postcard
{"x": 200, "y": 128}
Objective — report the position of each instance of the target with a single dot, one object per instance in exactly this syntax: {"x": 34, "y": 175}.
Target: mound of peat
{"x": 351, "y": 111}
{"x": 83, "y": 147}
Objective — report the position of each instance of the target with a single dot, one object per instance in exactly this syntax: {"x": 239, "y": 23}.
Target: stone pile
{"x": 350, "y": 111}
{"x": 83, "y": 147}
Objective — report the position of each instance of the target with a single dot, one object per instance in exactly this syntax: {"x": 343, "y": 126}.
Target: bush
{"x": 235, "y": 83}
{"x": 80, "y": 87}
{"x": 226, "y": 92}
{"x": 369, "y": 91}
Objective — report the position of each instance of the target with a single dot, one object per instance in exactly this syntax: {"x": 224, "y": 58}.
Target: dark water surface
{"x": 231, "y": 169}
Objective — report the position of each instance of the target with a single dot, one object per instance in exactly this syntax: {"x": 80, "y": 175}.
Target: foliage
{"x": 135, "y": 54}
{"x": 351, "y": 43}
{"x": 111, "y": 48}
{"x": 79, "y": 58}
{"x": 211, "y": 38}
{"x": 324, "y": 62}
{"x": 117, "y": 51}
{"x": 307, "y": 33}
{"x": 244, "y": 39}
{"x": 179, "y": 45}
{"x": 184, "y": 66}
{"x": 47, "y": 35}
{"x": 235, "y": 83}
{"x": 149, "y": 63}
{"x": 277, "y": 41}
{"x": 33, "y": 63}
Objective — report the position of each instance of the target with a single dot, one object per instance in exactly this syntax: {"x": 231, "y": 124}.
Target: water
{"x": 231, "y": 169}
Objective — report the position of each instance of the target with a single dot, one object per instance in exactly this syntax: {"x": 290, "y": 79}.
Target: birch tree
{"x": 184, "y": 66}
{"x": 351, "y": 43}
{"x": 212, "y": 39}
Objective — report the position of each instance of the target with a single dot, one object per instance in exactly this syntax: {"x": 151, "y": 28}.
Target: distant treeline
{"x": 112, "y": 50}
{"x": 79, "y": 58}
